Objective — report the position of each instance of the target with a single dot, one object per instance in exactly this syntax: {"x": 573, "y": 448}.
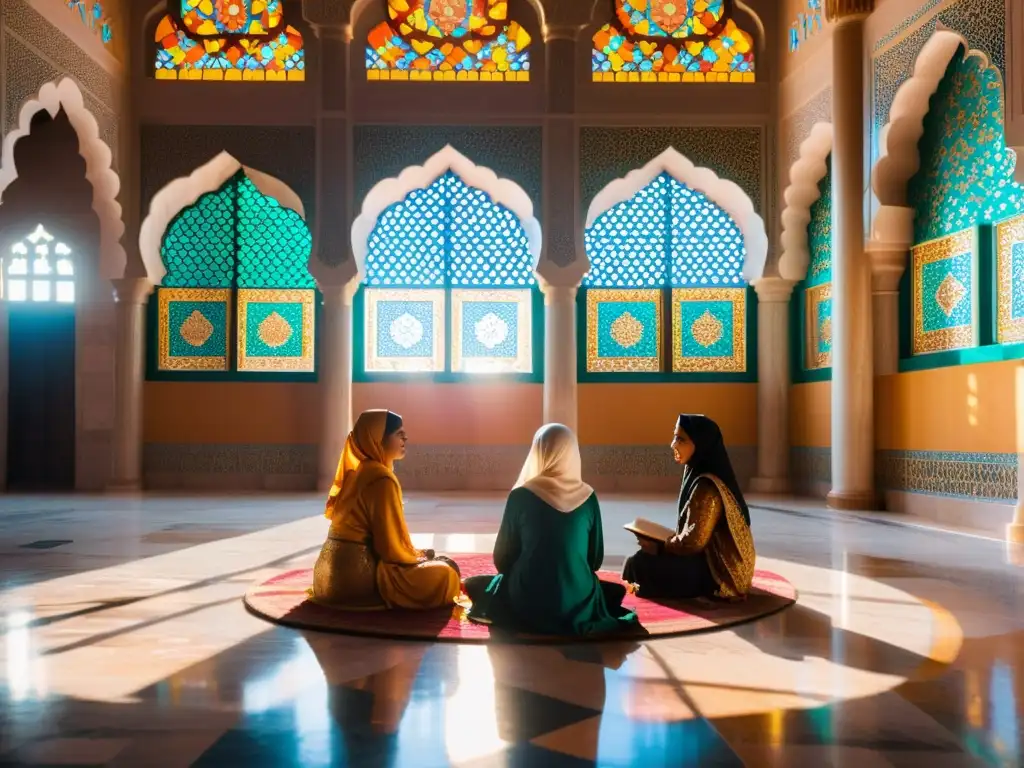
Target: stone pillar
{"x": 888, "y": 252}
{"x": 560, "y": 389}
{"x": 1015, "y": 530}
{"x": 1014, "y": 86}
{"x": 130, "y": 293}
{"x": 853, "y": 426}
{"x": 5, "y": 364}
{"x": 335, "y": 377}
{"x": 773, "y": 295}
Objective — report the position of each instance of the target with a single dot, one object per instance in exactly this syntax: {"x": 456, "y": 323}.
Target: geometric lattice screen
{"x": 666, "y": 262}
{"x": 449, "y": 285}
{"x": 237, "y": 294}
{"x": 818, "y": 283}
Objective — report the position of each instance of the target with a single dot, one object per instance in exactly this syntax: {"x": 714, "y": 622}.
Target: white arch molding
{"x": 726, "y": 194}
{"x": 185, "y": 190}
{"x": 803, "y": 191}
{"x": 386, "y": 193}
{"x": 98, "y": 165}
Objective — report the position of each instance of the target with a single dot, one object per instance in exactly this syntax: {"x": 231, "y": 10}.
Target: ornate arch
{"x": 726, "y": 194}
{"x": 803, "y": 192}
{"x": 98, "y": 165}
{"x": 184, "y": 191}
{"x": 899, "y": 159}
{"x": 386, "y": 193}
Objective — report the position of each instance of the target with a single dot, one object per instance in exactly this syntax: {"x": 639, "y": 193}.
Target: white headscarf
{"x": 553, "y": 470}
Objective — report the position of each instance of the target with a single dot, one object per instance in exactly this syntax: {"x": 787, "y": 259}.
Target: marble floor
{"x": 125, "y": 643}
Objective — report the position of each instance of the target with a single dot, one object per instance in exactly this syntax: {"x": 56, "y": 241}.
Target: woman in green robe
{"x": 548, "y": 551}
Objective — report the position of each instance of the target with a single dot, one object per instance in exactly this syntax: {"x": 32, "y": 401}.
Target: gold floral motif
{"x": 732, "y": 363}
{"x": 707, "y": 329}
{"x": 274, "y": 331}
{"x": 943, "y": 339}
{"x": 523, "y": 361}
{"x": 196, "y": 330}
{"x": 826, "y": 331}
{"x": 626, "y": 330}
{"x": 598, "y": 364}
{"x": 374, "y": 363}
{"x": 167, "y": 296}
{"x": 1009, "y": 234}
{"x": 818, "y": 329}
{"x": 949, "y": 294}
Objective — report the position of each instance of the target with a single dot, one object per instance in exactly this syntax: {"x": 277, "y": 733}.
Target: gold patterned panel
{"x": 947, "y": 296}
{"x": 817, "y": 331}
{"x": 1009, "y": 234}
{"x": 282, "y": 352}
{"x": 627, "y": 331}
{"x": 400, "y": 336}
{"x": 708, "y": 329}
{"x": 522, "y": 360}
{"x": 194, "y": 330}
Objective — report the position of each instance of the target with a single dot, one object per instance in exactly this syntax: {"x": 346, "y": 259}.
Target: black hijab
{"x": 709, "y": 458}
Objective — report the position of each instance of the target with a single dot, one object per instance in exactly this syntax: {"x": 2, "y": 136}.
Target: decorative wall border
{"x": 974, "y": 476}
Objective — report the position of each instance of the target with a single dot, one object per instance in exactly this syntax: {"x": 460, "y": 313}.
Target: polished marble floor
{"x": 125, "y": 643}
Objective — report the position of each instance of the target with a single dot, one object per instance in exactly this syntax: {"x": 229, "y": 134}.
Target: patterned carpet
{"x": 283, "y": 599}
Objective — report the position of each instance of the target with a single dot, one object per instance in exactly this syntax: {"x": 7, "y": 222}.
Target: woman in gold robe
{"x": 368, "y": 561}
{"x": 712, "y": 553}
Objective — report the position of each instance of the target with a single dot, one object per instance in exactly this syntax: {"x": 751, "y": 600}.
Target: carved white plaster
{"x": 803, "y": 192}
{"x": 724, "y": 193}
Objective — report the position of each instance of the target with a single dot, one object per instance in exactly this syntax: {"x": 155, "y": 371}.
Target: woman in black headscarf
{"x": 712, "y": 553}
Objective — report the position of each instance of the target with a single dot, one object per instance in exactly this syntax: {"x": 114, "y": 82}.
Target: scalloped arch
{"x": 185, "y": 190}
{"x": 98, "y": 165}
{"x": 899, "y": 159}
{"x": 724, "y": 193}
{"x": 803, "y": 191}
{"x": 390, "y": 191}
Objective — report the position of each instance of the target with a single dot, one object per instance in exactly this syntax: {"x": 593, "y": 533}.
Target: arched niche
{"x": 726, "y": 194}
{"x": 184, "y": 191}
{"x": 66, "y": 95}
{"x": 802, "y": 193}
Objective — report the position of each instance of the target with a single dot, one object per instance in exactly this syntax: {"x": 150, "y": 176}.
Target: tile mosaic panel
{"x": 404, "y": 330}
{"x": 193, "y": 326}
{"x": 819, "y": 327}
{"x": 709, "y": 330}
{"x": 492, "y": 331}
{"x": 943, "y": 295}
{"x": 977, "y": 476}
{"x": 276, "y": 330}
{"x": 810, "y": 469}
{"x": 1010, "y": 280}
{"x": 624, "y": 330}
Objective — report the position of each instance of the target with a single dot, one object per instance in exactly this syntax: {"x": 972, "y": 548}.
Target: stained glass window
{"x": 41, "y": 269}
{"x": 93, "y": 16}
{"x": 667, "y": 254}
{"x": 672, "y": 41}
{"x": 808, "y": 22}
{"x": 453, "y": 40}
{"x": 228, "y": 40}
{"x": 236, "y": 253}
{"x": 448, "y": 263}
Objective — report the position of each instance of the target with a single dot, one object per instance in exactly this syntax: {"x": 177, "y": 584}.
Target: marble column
{"x": 4, "y": 378}
{"x": 852, "y": 357}
{"x": 131, "y": 294}
{"x": 773, "y": 295}
{"x": 1014, "y": 90}
{"x": 888, "y": 253}
{"x": 560, "y": 389}
{"x": 335, "y": 377}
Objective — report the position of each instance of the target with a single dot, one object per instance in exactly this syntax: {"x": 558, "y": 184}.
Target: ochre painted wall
{"x": 231, "y": 412}
{"x": 965, "y": 408}
{"x": 645, "y": 414}
{"x": 479, "y": 413}
{"x": 810, "y": 415}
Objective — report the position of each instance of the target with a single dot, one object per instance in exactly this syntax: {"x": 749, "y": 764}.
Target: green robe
{"x": 547, "y": 562}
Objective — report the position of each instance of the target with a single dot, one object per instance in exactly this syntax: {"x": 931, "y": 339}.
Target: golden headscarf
{"x": 364, "y": 443}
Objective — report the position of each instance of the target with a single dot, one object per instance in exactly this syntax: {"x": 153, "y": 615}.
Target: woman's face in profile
{"x": 682, "y": 446}
{"x": 394, "y": 445}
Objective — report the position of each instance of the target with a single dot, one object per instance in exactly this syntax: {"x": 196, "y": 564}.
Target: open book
{"x": 646, "y": 529}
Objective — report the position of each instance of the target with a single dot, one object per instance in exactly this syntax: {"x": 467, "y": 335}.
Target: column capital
{"x": 341, "y": 293}
{"x": 552, "y": 278}
{"x": 773, "y": 289}
{"x": 561, "y": 32}
{"x": 132, "y": 290}
{"x": 848, "y": 10}
{"x": 888, "y": 262}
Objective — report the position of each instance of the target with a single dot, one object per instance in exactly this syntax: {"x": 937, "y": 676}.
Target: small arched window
{"x": 40, "y": 268}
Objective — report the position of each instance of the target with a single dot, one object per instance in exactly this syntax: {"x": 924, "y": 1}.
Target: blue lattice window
{"x": 237, "y": 295}
{"x": 449, "y": 286}
{"x": 666, "y": 263}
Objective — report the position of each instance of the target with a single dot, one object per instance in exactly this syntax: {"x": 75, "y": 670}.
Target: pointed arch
{"x": 388, "y": 192}
{"x": 98, "y": 157}
{"x": 726, "y": 194}
{"x": 184, "y": 191}
{"x": 802, "y": 193}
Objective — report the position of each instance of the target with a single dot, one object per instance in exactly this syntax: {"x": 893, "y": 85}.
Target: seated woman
{"x": 712, "y": 553}
{"x": 548, "y": 550}
{"x": 368, "y": 561}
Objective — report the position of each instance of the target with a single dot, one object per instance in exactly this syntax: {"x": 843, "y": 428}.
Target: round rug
{"x": 283, "y": 599}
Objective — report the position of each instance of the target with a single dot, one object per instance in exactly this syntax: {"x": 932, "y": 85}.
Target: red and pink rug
{"x": 283, "y": 599}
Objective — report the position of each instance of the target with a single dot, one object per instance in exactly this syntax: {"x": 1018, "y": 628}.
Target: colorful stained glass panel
{"x": 491, "y": 331}
{"x": 943, "y": 301}
{"x": 193, "y": 329}
{"x": 222, "y": 18}
{"x": 1010, "y": 280}
{"x": 709, "y": 330}
{"x": 276, "y": 330}
{"x": 623, "y": 331}
{"x": 404, "y": 330}
{"x": 819, "y": 326}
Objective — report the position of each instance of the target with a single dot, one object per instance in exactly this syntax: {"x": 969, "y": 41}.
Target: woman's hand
{"x": 647, "y": 546}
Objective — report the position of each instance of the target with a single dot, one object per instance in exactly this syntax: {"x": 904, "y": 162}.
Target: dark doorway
{"x": 41, "y": 397}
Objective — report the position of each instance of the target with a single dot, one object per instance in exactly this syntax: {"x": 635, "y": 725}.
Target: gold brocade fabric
{"x": 345, "y": 576}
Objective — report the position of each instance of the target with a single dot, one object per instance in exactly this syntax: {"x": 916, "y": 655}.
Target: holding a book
{"x": 711, "y": 551}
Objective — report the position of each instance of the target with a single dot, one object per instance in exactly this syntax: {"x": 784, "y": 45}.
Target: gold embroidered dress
{"x": 368, "y": 561}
